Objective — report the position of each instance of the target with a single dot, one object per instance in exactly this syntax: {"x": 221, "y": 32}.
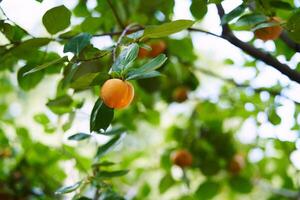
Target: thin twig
{"x": 257, "y": 90}
{"x": 115, "y": 14}
{"x": 120, "y": 40}
{"x": 7, "y": 18}
{"x": 203, "y": 31}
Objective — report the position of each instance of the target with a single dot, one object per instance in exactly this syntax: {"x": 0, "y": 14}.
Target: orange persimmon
{"x": 180, "y": 94}
{"x": 182, "y": 158}
{"x": 269, "y": 33}
{"x": 157, "y": 48}
{"x": 117, "y": 93}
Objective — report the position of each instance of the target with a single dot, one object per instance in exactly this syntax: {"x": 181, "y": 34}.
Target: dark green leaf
{"x": 110, "y": 174}
{"x": 104, "y": 149}
{"x": 293, "y": 26}
{"x": 29, "y": 81}
{"x": 198, "y": 8}
{"x": 68, "y": 189}
{"x": 233, "y": 14}
{"x": 207, "y": 190}
{"x": 85, "y": 81}
{"x": 91, "y": 24}
{"x": 114, "y": 131}
{"x": 77, "y": 43}
{"x": 264, "y": 25}
{"x": 241, "y": 184}
{"x": 101, "y": 116}
{"x": 48, "y": 64}
{"x": 81, "y": 9}
{"x": 251, "y": 19}
{"x": 26, "y": 48}
{"x": 79, "y": 136}
{"x": 61, "y": 104}
{"x": 103, "y": 164}
{"x": 281, "y": 5}
{"x": 57, "y": 19}
{"x": 166, "y": 29}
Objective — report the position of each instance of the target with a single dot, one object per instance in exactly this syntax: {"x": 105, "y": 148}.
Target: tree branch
{"x": 274, "y": 93}
{"x": 290, "y": 43}
{"x": 256, "y": 53}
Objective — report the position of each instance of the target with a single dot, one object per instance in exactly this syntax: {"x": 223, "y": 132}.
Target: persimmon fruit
{"x": 157, "y": 48}
{"x": 143, "y": 53}
{"x": 269, "y": 33}
{"x": 117, "y": 93}
{"x": 180, "y": 94}
{"x": 236, "y": 164}
{"x": 182, "y": 158}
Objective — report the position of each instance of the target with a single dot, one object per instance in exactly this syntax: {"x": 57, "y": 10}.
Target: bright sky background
{"x": 28, "y": 14}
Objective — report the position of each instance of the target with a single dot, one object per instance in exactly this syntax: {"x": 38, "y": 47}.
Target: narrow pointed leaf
{"x": 45, "y": 65}
{"x": 166, "y": 29}
{"x": 79, "y": 136}
{"x": 104, "y": 149}
{"x": 144, "y": 75}
{"x": 68, "y": 189}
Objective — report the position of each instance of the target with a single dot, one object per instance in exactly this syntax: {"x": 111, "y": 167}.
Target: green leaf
{"x": 233, "y": 14}
{"x": 143, "y": 75}
{"x": 107, "y": 147}
{"x": 69, "y": 75}
{"x": 136, "y": 35}
{"x": 103, "y": 164}
{"x": 251, "y": 19}
{"x": 67, "y": 125}
{"x": 281, "y": 5}
{"x": 126, "y": 57}
{"x": 61, "y": 104}
{"x": 114, "y": 131}
{"x": 26, "y": 48}
{"x": 41, "y": 118}
{"x": 84, "y": 81}
{"x": 81, "y": 9}
{"x": 241, "y": 184}
{"x": 110, "y": 174}
{"x": 79, "y": 136}
{"x": 264, "y": 25}
{"x": 207, "y": 190}
{"x": 147, "y": 70}
{"x": 57, "y": 19}
{"x": 91, "y": 24}
{"x": 166, "y": 29}
{"x": 29, "y": 81}
{"x": 68, "y": 189}
{"x": 12, "y": 33}
{"x": 165, "y": 183}
{"x": 77, "y": 43}
{"x": 273, "y": 116}
{"x": 198, "y": 8}
{"x": 293, "y": 26}
{"x": 101, "y": 116}
{"x": 46, "y": 65}
{"x": 153, "y": 64}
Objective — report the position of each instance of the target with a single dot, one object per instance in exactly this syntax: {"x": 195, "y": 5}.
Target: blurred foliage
{"x": 165, "y": 80}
